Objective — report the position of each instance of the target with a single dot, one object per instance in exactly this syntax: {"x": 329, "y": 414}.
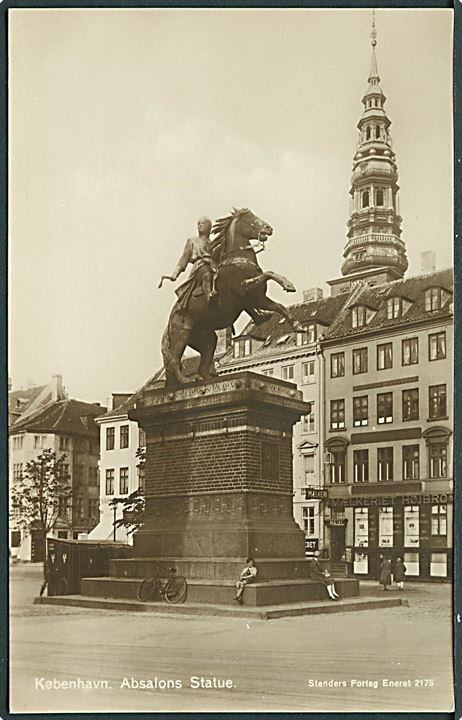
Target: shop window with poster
{"x": 411, "y": 526}
{"x": 386, "y": 527}
{"x": 361, "y": 539}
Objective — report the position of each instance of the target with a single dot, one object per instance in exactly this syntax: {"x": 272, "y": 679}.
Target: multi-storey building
{"x": 68, "y": 428}
{"x": 120, "y": 473}
{"x": 388, "y": 446}
{"x": 388, "y": 380}
{"x": 274, "y": 349}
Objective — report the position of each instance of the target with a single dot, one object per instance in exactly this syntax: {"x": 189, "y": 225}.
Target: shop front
{"x": 415, "y": 527}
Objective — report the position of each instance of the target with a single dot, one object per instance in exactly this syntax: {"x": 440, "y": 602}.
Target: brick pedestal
{"x": 218, "y": 481}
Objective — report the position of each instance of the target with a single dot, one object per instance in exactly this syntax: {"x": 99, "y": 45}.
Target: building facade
{"x": 67, "y": 427}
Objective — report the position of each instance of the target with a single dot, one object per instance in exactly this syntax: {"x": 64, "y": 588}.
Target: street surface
{"x": 270, "y": 666}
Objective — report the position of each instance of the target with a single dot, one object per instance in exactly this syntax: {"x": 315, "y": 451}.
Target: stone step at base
{"x": 271, "y": 612}
{"x": 225, "y": 568}
{"x": 223, "y": 591}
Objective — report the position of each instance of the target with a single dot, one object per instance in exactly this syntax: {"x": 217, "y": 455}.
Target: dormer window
{"x": 397, "y": 307}
{"x": 361, "y": 315}
{"x": 242, "y": 347}
{"x": 307, "y": 336}
{"x": 435, "y": 299}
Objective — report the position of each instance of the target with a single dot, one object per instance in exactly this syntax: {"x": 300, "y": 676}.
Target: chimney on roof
{"x": 428, "y": 261}
{"x": 313, "y": 294}
{"x": 110, "y": 404}
{"x": 224, "y": 342}
{"x": 56, "y": 388}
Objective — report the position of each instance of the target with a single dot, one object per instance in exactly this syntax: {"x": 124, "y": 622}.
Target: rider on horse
{"x": 197, "y": 251}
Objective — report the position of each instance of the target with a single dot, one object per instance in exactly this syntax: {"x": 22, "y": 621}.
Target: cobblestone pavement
{"x": 342, "y": 662}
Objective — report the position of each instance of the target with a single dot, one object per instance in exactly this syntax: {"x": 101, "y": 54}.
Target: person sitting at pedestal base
{"x": 323, "y": 576}
{"x": 247, "y": 576}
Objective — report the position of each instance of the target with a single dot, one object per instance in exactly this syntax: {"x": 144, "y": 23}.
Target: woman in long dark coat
{"x": 400, "y": 571}
{"x": 385, "y": 574}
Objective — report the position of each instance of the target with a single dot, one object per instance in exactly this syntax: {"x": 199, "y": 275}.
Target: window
{"x": 379, "y": 197}
{"x": 439, "y": 520}
{"x": 385, "y": 464}
{"x": 308, "y": 520}
{"x": 394, "y": 308}
{"x": 110, "y": 482}
{"x": 386, "y": 527}
{"x": 437, "y": 346}
{"x": 337, "y": 414}
{"x": 124, "y": 436}
{"x": 269, "y": 461}
{"x": 358, "y": 316}
{"x": 410, "y": 351}
{"x": 410, "y": 404}
{"x": 269, "y": 372}
{"x": 337, "y": 467}
{"x": 377, "y": 133}
{"x": 361, "y": 466}
{"x": 93, "y": 476}
{"x": 308, "y": 424}
{"x": 308, "y": 468}
{"x": 63, "y": 507}
{"x": 141, "y": 438}
{"x": 337, "y": 365}
{"x": 93, "y": 507}
{"x": 361, "y": 517}
{"x": 123, "y": 477}
{"x": 79, "y": 511}
{"x": 307, "y": 336}
{"x": 368, "y": 137}
{"x": 242, "y": 347}
{"x": 141, "y": 478}
{"x": 411, "y": 462}
{"x": 437, "y": 401}
{"x": 435, "y": 298}
{"x": 411, "y": 526}
{"x": 110, "y": 438}
{"x": 18, "y": 442}
{"x": 384, "y": 408}
{"x": 360, "y": 411}
{"x": 64, "y": 444}
{"x": 359, "y": 361}
{"x": 308, "y": 372}
{"x": 17, "y": 472}
{"x": 384, "y": 356}
{"x": 287, "y": 372}
{"x": 438, "y": 460}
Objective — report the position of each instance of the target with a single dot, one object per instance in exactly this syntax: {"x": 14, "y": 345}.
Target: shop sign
{"x": 315, "y": 493}
{"x": 384, "y": 500}
{"x": 311, "y": 545}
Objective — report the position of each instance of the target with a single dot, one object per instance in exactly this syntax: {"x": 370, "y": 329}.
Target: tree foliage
{"x": 41, "y": 492}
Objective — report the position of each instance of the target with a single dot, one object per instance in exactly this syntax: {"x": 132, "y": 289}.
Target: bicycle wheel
{"x": 146, "y": 589}
{"x": 175, "y": 590}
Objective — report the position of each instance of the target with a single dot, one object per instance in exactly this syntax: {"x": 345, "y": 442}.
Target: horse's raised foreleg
{"x": 270, "y": 275}
{"x": 205, "y": 342}
{"x": 266, "y": 303}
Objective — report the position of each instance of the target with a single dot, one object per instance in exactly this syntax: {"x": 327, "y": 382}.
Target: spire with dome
{"x": 374, "y": 227}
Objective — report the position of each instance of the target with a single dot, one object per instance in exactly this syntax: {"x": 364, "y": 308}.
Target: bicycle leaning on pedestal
{"x": 173, "y": 588}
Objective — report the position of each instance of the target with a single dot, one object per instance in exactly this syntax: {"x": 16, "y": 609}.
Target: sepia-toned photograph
{"x": 230, "y": 371}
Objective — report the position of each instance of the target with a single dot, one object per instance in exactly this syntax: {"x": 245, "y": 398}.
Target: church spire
{"x": 374, "y": 227}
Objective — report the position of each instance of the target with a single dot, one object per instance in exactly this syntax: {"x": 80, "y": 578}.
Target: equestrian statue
{"x": 225, "y": 280}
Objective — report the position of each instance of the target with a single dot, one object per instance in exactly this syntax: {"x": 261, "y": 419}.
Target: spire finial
{"x": 373, "y": 31}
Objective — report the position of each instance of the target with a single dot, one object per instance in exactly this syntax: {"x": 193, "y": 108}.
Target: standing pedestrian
{"x": 400, "y": 571}
{"x": 385, "y": 573}
{"x": 380, "y": 567}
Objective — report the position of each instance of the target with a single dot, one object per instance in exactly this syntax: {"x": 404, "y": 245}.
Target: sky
{"x": 125, "y": 126}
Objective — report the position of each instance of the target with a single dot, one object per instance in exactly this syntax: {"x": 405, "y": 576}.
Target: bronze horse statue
{"x": 240, "y": 285}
